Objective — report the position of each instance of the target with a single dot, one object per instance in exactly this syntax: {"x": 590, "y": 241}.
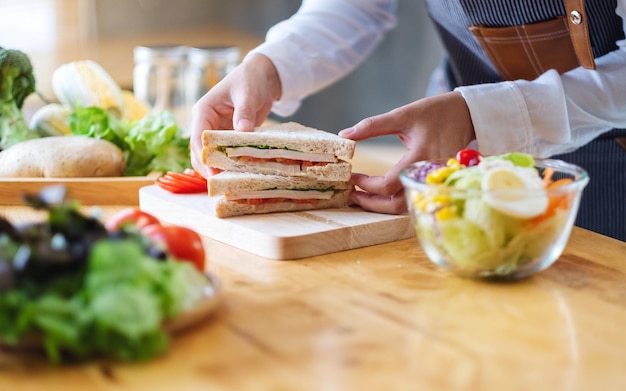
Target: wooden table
{"x": 380, "y": 318}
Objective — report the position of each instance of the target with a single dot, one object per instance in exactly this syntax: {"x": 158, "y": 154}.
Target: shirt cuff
{"x": 508, "y": 116}
{"x": 498, "y": 130}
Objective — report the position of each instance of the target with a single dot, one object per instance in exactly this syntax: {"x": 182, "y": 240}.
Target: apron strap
{"x": 579, "y": 32}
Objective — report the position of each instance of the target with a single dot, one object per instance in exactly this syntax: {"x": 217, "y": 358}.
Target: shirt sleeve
{"x": 554, "y": 113}
{"x": 322, "y": 42}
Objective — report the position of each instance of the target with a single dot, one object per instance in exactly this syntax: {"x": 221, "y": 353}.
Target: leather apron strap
{"x": 579, "y": 32}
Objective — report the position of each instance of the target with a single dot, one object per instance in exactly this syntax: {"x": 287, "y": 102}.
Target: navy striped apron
{"x": 603, "y": 206}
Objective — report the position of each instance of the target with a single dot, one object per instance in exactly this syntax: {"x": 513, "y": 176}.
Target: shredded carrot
{"x": 547, "y": 176}
{"x": 560, "y": 201}
{"x": 554, "y": 203}
{"x": 560, "y": 182}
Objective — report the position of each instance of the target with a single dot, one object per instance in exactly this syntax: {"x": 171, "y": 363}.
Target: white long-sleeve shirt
{"x": 326, "y": 39}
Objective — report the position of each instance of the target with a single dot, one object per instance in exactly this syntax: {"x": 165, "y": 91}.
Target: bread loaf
{"x": 62, "y": 157}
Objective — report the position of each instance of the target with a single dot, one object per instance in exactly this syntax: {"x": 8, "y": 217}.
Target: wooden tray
{"x": 290, "y": 235}
{"x": 89, "y": 191}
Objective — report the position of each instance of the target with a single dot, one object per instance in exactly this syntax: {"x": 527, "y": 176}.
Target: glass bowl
{"x": 470, "y": 232}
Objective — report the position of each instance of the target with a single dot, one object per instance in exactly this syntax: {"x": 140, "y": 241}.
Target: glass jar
{"x": 159, "y": 79}
{"x": 206, "y": 66}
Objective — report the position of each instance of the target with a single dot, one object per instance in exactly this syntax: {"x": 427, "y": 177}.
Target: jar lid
{"x": 213, "y": 53}
{"x": 153, "y": 52}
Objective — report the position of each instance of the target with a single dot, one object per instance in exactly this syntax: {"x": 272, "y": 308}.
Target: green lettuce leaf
{"x": 154, "y": 143}
{"x": 116, "y": 312}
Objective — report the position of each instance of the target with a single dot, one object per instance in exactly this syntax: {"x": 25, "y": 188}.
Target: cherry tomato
{"x": 130, "y": 216}
{"x": 468, "y": 157}
{"x": 182, "y": 243}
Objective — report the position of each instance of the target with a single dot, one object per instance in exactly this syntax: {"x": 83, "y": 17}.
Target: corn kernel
{"x": 439, "y": 175}
{"x": 418, "y": 199}
{"x": 441, "y": 199}
{"x": 453, "y": 163}
{"x": 446, "y": 213}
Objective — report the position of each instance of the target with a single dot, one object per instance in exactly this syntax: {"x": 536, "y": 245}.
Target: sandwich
{"x": 240, "y": 193}
{"x": 288, "y": 149}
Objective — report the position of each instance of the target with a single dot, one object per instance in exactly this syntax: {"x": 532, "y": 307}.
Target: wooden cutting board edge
{"x": 88, "y": 191}
{"x": 246, "y": 233}
{"x": 341, "y": 239}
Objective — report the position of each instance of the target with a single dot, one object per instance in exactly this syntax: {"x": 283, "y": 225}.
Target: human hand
{"x": 241, "y": 101}
{"x": 430, "y": 128}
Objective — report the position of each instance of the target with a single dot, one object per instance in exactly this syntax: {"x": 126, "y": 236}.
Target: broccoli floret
{"x": 17, "y": 82}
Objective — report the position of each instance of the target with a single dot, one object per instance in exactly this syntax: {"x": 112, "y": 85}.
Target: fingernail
{"x": 244, "y": 124}
{"x": 345, "y": 132}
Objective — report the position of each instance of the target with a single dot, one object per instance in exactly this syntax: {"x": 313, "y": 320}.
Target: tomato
{"x": 192, "y": 172}
{"x": 182, "y": 243}
{"x": 130, "y": 216}
{"x": 169, "y": 184}
{"x": 172, "y": 188}
{"x": 189, "y": 181}
{"x": 468, "y": 157}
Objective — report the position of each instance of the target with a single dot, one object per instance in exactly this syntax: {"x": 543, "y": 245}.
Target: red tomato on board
{"x": 187, "y": 182}
{"x": 130, "y": 216}
{"x": 182, "y": 243}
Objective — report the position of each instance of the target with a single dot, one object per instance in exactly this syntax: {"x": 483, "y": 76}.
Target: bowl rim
{"x": 579, "y": 174}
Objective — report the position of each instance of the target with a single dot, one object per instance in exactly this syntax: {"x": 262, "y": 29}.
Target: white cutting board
{"x": 291, "y": 235}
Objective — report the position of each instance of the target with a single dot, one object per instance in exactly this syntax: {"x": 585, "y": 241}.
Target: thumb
{"x": 380, "y": 125}
{"x": 243, "y": 119}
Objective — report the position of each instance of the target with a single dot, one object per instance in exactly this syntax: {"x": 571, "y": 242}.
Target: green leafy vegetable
{"x": 517, "y": 158}
{"x": 88, "y": 292}
{"x": 154, "y": 143}
{"x": 223, "y": 148}
{"x": 17, "y": 82}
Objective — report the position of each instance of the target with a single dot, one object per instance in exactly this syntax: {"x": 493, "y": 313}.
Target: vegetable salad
{"x": 488, "y": 216}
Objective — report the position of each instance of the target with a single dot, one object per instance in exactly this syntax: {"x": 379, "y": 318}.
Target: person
{"x": 569, "y": 112}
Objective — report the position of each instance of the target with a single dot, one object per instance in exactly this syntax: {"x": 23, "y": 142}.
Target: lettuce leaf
{"x": 116, "y": 312}
{"x": 154, "y": 143}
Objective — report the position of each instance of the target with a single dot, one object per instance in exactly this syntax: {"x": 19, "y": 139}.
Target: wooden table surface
{"x": 379, "y": 318}
{"x": 375, "y": 318}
